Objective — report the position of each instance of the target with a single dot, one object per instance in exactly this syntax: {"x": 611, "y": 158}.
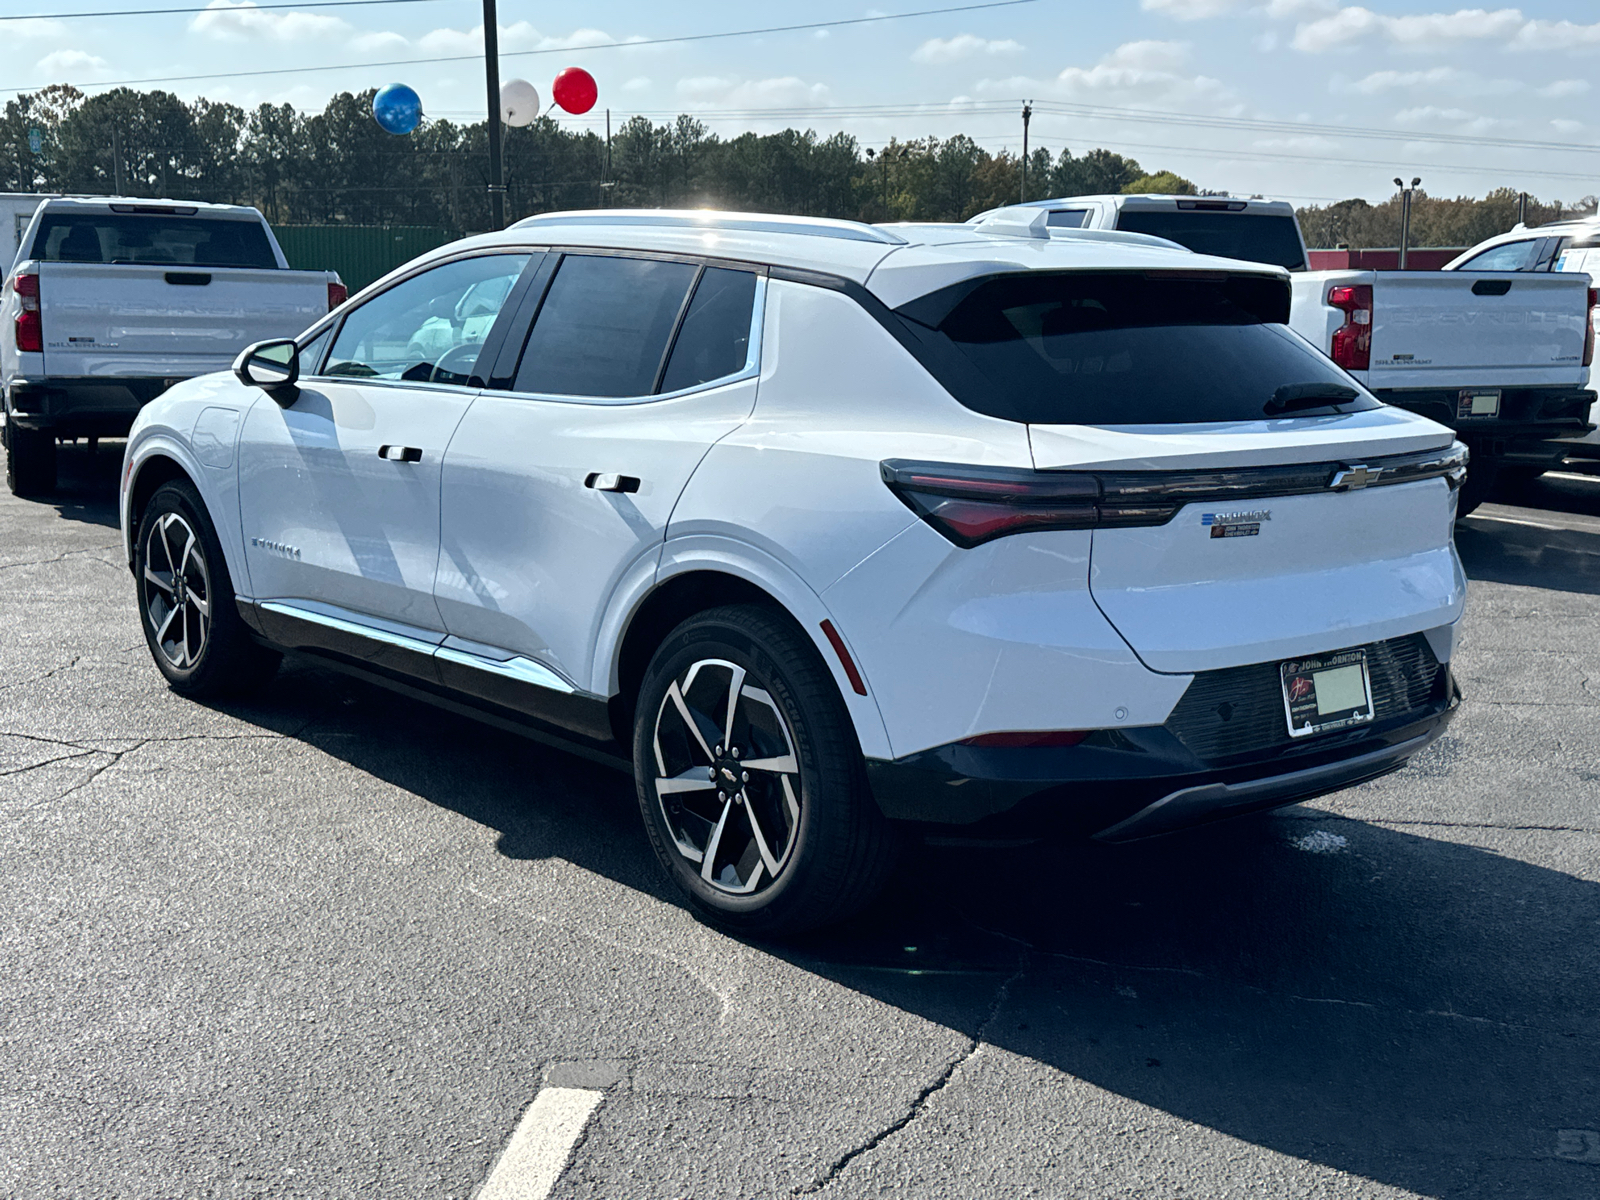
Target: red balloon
{"x": 575, "y": 90}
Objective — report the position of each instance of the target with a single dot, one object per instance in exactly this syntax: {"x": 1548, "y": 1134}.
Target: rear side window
{"x": 1253, "y": 237}
{"x": 1509, "y": 256}
{"x": 604, "y": 326}
{"x": 1058, "y": 348}
{"x": 1067, "y": 218}
{"x": 158, "y": 240}
{"x": 714, "y": 340}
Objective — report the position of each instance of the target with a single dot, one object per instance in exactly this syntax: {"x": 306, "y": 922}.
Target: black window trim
{"x": 497, "y": 332}
{"x": 504, "y": 373}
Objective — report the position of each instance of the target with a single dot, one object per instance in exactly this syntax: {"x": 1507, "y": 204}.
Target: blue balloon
{"x": 397, "y": 109}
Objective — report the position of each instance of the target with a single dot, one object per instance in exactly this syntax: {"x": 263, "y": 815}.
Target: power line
{"x": 156, "y": 12}
{"x": 413, "y": 62}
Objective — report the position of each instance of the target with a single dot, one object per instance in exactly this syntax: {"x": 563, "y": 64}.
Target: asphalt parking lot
{"x": 334, "y": 943}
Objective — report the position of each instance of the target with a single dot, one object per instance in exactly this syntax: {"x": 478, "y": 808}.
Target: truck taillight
{"x": 30, "y": 328}
{"x": 1352, "y": 341}
{"x": 1588, "y": 334}
{"x": 337, "y": 294}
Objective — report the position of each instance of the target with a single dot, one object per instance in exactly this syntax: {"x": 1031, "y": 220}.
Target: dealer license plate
{"x": 1324, "y": 694}
{"x": 1478, "y": 404}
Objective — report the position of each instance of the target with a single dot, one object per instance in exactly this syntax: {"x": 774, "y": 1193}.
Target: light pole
{"x": 1027, "y": 114}
{"x": 1405, "y": 215}
{"x": 491, "y": 72}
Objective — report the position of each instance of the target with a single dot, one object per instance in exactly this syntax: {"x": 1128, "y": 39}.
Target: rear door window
{"x": 160, "y": 240}
{"x": 1508, "y": 256}
{"x": 1060, "y": 348}
{"x": 1253, "y": 237}
{"x": 604, "y": 327}
{"x": 714, "y": 340}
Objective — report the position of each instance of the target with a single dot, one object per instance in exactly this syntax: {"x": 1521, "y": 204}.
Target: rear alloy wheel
{"x": 186, "y": 600}
{"x": 750, "y": 778}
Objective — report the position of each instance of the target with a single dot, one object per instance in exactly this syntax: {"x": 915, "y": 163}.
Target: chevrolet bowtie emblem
{"x": 1353, "y": 478}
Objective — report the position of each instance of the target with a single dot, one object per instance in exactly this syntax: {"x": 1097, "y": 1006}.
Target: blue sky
{"x": 1173, "y": 83}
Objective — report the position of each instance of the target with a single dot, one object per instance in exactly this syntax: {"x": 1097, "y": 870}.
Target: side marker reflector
{"x": 845, "y": 660}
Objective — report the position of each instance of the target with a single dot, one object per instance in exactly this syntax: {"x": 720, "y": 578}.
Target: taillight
{"x": 971, "y": 505}
{"x": 1588, "y": 333}
{"x": 1352, "y": 341}
{"x": 337, "y": 295}
{"x": 30, "y": 327}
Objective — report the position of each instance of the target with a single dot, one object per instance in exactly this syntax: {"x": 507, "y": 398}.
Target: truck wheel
{"x": 750, "y": 777}
{"x": 30, "y": 461}
{"x": 1480, "y": 481}
{"x": 186, "y": 601}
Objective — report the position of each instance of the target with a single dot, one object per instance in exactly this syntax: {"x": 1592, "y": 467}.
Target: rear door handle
{"x": 400, "y": 453}
{"x": 611, "y": 483}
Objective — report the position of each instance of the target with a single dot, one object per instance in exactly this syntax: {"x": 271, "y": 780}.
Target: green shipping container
{"x": 360, "y": 253}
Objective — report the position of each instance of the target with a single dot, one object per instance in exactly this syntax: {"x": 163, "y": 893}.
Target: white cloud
{"x": 1190, "y": 10}
{"x": 1384, "y": 81}
{"x": 521, "y": 36}
{"x": 1150, "y": 72}
{"x": 1556, "y": 35}
{"x": 387, "y": 41}
{"x": 731, "y": 92}
{"x": 964, "y": 45}
{"x": 1565, "y": 87}
{"x": 637, "y": 84}
{"x": 70, "y": 62}
{"x": 241, "y": 20}
{"x": 1458, "y": 118}
{"x": 1279, "y": 9}
{"x": 1439, "y": 31}
{"x": 1566, "y": 126}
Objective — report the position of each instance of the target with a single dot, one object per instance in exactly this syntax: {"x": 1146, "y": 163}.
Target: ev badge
{"x": 1354, "y": 478}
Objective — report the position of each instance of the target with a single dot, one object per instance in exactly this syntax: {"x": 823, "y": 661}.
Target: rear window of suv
{"x": 1253, "y": 237}
{"x": 1158, "y": 348}
{"x": 172, "y": 241}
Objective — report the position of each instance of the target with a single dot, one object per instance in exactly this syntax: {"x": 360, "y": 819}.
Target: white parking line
{"x": 1529, "y": 524}
{"x": 537, "y": 1153}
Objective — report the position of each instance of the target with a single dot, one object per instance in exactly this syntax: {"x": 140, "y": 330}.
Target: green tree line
{"x": 339, "y": 167}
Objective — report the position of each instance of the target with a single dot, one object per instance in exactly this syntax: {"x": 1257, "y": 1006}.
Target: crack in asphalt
{"x": 47, "y": 761}
{"x": 44, "y": 562}
{"x": 920, "y": 1102}
{"x": 76, "y": 659}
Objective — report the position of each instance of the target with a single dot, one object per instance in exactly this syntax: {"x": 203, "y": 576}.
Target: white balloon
{"x": 519, "y": 102}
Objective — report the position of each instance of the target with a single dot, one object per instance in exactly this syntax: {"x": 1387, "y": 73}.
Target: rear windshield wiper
{"x": 1292, "y": 396}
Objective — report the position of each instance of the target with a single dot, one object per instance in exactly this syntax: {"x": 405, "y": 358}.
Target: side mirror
{"x": 270, "y": 366}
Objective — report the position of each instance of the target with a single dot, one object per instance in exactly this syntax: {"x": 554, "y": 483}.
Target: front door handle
{"x": 611, "y": 483}
{"x": 400, "y": 453}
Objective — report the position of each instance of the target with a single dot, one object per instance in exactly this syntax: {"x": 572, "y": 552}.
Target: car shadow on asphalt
{"x": 1414, "y": 1008}
{"x": 86, "y": 482}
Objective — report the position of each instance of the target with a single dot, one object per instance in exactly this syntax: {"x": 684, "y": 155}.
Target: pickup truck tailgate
{"x": 126, "y": 319}
{"x": 1469, "y": 329}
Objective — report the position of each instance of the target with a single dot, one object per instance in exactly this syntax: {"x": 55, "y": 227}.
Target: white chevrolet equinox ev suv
{"x": 827, "y": 531}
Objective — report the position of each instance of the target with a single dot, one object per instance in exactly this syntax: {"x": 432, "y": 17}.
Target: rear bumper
{"x": 1125, "y": 784}
{"x": 83, "y": 407}
{"x": 1526, "y": 431}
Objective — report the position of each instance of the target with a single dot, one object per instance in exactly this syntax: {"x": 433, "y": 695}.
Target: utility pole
{"x": 116, "y": 160}
{"x": 491, "y": 72}
{"x": 1027, "y": 114}
{"x": 1522, "y": 208}
{"x": 1405, "y": 215}
{"x": 607, "y": 184}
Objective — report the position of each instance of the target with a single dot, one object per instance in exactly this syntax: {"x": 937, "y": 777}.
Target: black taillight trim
{"x": 970, "y": 505}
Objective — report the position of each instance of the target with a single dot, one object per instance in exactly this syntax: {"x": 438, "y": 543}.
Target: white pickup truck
{"x": 1501, "y": 358}
{"x": 112, "y": 301}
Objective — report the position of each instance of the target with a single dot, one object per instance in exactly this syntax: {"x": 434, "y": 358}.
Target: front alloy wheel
{"x": 177, "y": 591}
{"x": 727, "y": 777}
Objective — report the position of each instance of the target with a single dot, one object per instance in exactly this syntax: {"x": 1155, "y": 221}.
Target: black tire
{"x": 186, "y": 600}
{"x": 30, "y": 461}
{"x": 1480, "y": 482}
{"x": 837, "y": 849}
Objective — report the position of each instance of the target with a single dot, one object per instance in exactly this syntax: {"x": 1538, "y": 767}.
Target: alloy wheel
{"x": 727, "y": 777}
{"x": 177, "y": 590}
